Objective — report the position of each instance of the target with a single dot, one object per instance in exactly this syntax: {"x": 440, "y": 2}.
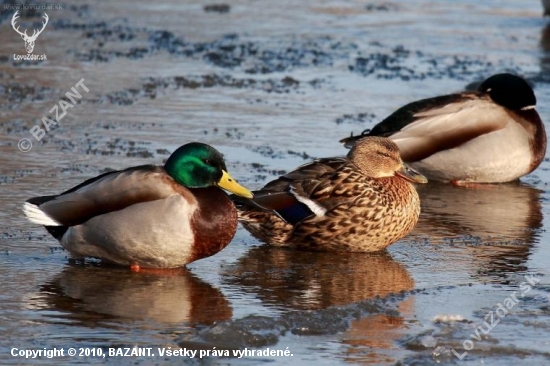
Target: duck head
{"x": 378, "y": 157}
{"x": 198, "y": 165}
{"x": 509, "y": 91}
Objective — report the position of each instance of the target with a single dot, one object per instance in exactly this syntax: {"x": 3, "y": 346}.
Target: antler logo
{"x": 29, "y": 41}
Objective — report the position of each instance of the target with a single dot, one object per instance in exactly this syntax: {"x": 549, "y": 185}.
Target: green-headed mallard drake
{"x": 147, "y": 216}
{"x": 359, "y": 203}
{"x": 491, "y": 135}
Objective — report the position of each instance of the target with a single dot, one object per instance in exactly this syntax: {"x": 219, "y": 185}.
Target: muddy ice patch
{"x": 260, "y": 172}
{"x": 357, "y": 119}
{"x": 117, "y": 147}
{"x": 489, "y": 331}
{"x": 273, "y": 153}
{"x": 152, "y": 88}
{"x": 217, "y": 8}
{"x": 109, "y": 40}
{"x": 233, "y": 51}
{"x": 243, "y": 53}
{"x": 261, "y": 331}
{"x": 402, "y": 63}
{"x": 13, "y": 94}
{"x": 374, "y": 59}
{"x": 383, "y": 7}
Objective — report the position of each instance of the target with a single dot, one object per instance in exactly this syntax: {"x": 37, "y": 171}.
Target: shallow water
{"x": 271, "y": 85}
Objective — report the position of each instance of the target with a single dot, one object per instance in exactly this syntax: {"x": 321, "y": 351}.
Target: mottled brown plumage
{"x": 360, "y": 203}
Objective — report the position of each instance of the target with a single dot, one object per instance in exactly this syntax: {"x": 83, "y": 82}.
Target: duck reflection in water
{"x": 304, "y": 280}
{"x": 496, "y": 224}
{"x": 493, "y": 227}
{"x": 545, "y": 54}
{"x": 85, "y": 291}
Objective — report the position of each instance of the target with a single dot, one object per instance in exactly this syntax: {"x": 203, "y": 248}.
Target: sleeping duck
{"x": 491, "y": 135}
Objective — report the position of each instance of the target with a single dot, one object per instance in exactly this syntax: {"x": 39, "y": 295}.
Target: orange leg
{"x": 473, "y": 185}
{"x": 158, "y": 271}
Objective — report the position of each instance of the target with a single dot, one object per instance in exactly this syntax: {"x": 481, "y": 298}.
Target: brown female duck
{"x": 359, "y": 203}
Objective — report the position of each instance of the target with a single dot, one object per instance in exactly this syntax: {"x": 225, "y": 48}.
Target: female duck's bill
{"x": 411, "y": 175}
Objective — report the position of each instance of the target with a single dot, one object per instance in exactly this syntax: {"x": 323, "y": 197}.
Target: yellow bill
{"x": 231, "y": 185}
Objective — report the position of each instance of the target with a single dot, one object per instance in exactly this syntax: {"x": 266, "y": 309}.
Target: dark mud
{"x": 13, "y": 94}
{"x": 260, "y": 331}
{"x": 153, "y": 88}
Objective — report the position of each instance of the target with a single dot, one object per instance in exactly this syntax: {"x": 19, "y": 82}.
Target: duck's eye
{"x": 207, "y": 161}
{"x": 384, "y": 154}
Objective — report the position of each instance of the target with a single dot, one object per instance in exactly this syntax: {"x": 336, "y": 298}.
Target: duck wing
{"x": 305, "y": 191}
{"x": 415, "y": 111}
{"x": 411, "y": 113}
{"x": 106, "y": 193}
{"x": 449, "y": 126}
